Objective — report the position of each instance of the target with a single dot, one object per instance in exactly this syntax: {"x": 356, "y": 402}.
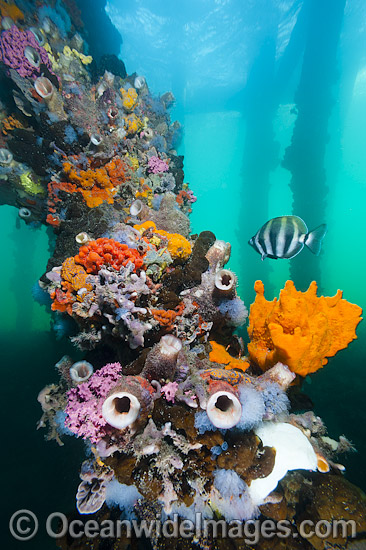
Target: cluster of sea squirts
{"x": 175, "y": 418}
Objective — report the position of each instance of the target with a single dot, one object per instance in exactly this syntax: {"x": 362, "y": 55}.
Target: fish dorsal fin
{"x": 313, "y": 240}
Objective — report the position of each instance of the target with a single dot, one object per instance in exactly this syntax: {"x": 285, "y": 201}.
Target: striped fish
{"x": 285, "y": 237}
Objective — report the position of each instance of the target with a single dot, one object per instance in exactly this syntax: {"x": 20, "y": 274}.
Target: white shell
{"x": 170, "y": 345}
{"x": 7, "y": 23}
{"x": 46, "y": 25}
{"x": 82, "y": 238}
{"x": 136, "y": 207}
{"x": 225, "y": 280}
{"x": 280, "y": 374}
{"x": 219, "y": 254}
{"x": 32, "y": 56}
{"x": 121, "y": 409}
{"x": 81, "y": 371}
{"x": 148, "y": 133}
{"x": 6, "y": 156}
{"x": 96, "y": 139}
{"x": 38, "y": 35}
{"x": 44, "y": 87}
{"x": 109, "y": 78}
{"x": 223, "y": 409}
{"x": 139, "y": 82}
{"x": 24, "y": 213}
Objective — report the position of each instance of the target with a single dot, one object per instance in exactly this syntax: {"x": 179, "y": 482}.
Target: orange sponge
{"x": 220, "y": 355}
{"x": 107, "y": 251}
{"x": 178, "y": 246}
{"x": 300, "y": 329}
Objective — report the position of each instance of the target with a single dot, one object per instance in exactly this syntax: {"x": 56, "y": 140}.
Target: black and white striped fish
{"x": 285, "y": 237}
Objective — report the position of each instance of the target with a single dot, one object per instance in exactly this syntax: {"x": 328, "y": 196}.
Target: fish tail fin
{"x": 313, "y": 240}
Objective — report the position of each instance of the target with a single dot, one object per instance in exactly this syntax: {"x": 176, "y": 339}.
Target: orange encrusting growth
{"x": 182, "y": 197}
{"x": 300, "y": 329}
{"x": 129, "y": 98}
{"x": 116, "y": 169}
{"x": 166, "y": 317}
{"x": 178, "y": 246}
{"x": 95, "y": 185}
{"x": 53, "y": 220}
{"x": 107, "y": 251}
{"x": 10, "y": 10}
{"x": 10, "y": 123}
{"x": 62, "y": 301}
{"x": 73, "y": 279}
{"x": 221, "y": 356}
{"x": 74, "y": 276}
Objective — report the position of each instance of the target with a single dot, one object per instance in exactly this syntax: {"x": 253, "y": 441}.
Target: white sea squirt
{"x": 293, "y": 452}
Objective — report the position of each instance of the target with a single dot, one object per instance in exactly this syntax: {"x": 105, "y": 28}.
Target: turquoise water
{"x": 231, "y": 203}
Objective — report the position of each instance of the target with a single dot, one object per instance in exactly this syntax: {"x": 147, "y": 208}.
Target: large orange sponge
{"x": 300, "y": 329}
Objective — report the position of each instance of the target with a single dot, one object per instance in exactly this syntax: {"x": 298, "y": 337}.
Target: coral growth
{"x": 19, "y": 50}
{"x": 165, "y": 318}
{"x": 107, "y": 252}
{"x": 157, "y": 165}
{"x": 96, "y": 186}
{"x": 129, "y": 98}
{"x": 73, "y": 280}
{"x": 177, "y": 245}
{"x": 73, "y": 275}
{"x": 10, "y": 123}
{"x": 85, "y": 403}
{"x": 10, "y": 10}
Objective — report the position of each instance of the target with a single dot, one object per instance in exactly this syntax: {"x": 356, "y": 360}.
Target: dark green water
{"x": 40, "y": 476}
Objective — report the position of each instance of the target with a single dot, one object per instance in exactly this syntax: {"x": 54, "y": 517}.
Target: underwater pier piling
{"x": 315, "y": 98}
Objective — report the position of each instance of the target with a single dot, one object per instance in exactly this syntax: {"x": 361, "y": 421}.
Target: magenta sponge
{"x": 84, "y": 408}
{"x": 20, "y": 50}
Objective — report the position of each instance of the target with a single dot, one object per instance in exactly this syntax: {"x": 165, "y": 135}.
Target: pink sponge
{"x": 84, "y": 407}
{"x": 169, "y": 391}
{"x": 156, "y": 165}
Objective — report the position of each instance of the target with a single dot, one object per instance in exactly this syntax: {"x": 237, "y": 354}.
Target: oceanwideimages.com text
{"x": 24, "y": 525}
